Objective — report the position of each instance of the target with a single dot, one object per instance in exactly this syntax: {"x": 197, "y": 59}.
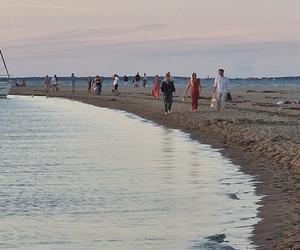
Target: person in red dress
{"x": 156, "y": 87}
{"x": 194, "y": 86}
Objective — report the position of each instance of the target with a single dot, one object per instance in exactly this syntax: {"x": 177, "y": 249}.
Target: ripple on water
{"x": 78, "y": 176}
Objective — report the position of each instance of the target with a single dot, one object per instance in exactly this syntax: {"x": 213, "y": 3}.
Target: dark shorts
{"x": 116, "y": 87}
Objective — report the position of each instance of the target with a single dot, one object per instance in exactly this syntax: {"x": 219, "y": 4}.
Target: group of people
{"x": 51, "y": 84}
{"x": 137, "y": 79}
{"x": 94, "y": 86}
{"x": 220, "y": 91}
{"x": 167, "y": 87}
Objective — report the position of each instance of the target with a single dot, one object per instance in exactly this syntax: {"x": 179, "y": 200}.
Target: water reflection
{"x": 77, "y": 176}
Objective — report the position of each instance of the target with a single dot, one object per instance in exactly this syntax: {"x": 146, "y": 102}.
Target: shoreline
{"x": 250, "y": 133}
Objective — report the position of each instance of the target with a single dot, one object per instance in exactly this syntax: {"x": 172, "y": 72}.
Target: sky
{"x": 89, "y": 37}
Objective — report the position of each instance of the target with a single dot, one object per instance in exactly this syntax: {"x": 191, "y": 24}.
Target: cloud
{"x": 92, "y": 37}
{"x": 150, "y": 27}
{"x": 51, "y": 6}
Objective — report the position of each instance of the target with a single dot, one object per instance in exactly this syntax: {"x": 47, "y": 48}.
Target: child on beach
{"x": 168, "y": 88}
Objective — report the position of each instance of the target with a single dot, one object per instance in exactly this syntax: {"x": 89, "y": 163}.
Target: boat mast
{"x": 4, "y": 64}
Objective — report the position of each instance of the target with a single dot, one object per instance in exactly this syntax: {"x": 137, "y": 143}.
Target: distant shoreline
{"x": 252, "y": 132}
{"x": 184, "y": 77}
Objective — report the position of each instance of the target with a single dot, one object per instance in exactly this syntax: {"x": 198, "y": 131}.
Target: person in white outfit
{"x": 115, "y": 84}
{"x": 55, "y": 84}
{"x": 221, "y": 88}
{"x": 73, "y": 80}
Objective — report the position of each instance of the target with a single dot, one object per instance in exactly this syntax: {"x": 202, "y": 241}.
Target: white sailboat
{"x": 5, "y": 83}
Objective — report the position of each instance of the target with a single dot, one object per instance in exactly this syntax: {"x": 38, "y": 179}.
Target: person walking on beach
{"x": 93, "y": 87}
{"x": 221, "y": 88}
{"x": 115, "y": 84}
{"x": 125, "y": 78}
{"x": 156, "y": 87}
{"x": 54, "y": 84}
{"x": 89, "y": 82}
{"x": 145, "y": 80}
{"x": 98, "y": 85}
{"x": 168, "y": 88}
{"x": 73, "y": 80}
{"x": 136, "y": 80}
{"x": 47, "y": 84}
{"x": 194, "y": 86}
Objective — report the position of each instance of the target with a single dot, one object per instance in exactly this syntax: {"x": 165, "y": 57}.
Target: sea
{"x": 76, "y": 176}
{"x": 263, "y": 82}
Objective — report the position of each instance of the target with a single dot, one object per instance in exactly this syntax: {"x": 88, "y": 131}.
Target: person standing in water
{"x": 156, "y": 87}
{"x": 73, "y": 80}
{"x": 145, "y": 80}
{"x": 168, "y": 88}
{"x": 221, "y": 88}
{"x": 194, "y": 86}
{"x": 46, "y": 85}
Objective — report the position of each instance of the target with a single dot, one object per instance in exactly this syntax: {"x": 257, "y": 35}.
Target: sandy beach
{"x": 253, "y": 132}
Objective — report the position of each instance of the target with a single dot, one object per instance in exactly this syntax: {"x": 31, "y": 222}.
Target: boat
{"x": 4, "y": 88}
{"x": 5, "y": 83}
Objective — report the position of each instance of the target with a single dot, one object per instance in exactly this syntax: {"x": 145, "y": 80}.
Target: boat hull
{"x": 4, "y": 89}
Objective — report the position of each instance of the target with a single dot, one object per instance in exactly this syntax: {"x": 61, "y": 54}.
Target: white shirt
{"x": 221, "y": 84}
{"x": 53, "y": 81}
{"x": 116, "y": 81}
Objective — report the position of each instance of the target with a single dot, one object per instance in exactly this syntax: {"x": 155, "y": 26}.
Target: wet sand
{"x": 253, "y": 131}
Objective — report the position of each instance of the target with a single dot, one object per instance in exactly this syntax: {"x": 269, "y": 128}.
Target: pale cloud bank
{"x": 95, "y": 36}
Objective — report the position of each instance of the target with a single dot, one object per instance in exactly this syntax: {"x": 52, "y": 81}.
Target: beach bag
{"x": 228, "y": 96}
{"x": 213, "y": 102}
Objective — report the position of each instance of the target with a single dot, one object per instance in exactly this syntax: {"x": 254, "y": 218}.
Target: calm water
{"x": 75, "y": 176}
